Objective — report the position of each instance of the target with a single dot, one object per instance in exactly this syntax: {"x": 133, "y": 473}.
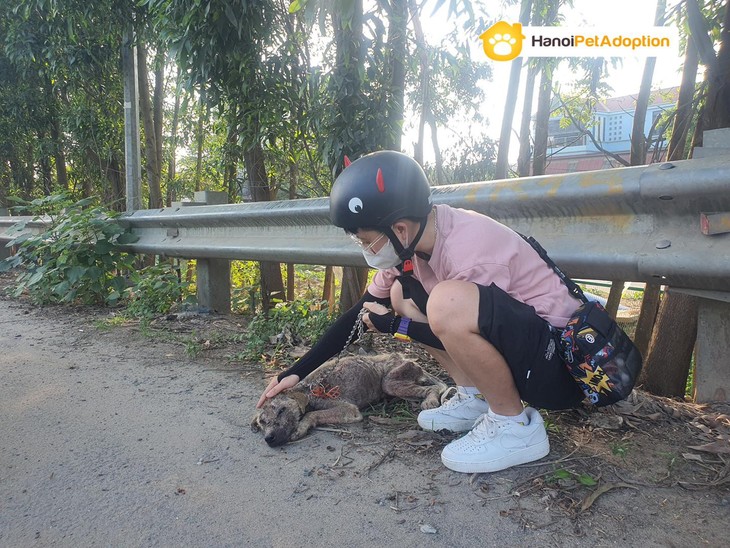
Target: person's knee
{"x": 451, "y": 305}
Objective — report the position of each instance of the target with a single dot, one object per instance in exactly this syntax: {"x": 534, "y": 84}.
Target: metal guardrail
{"x": 639, "y": 223}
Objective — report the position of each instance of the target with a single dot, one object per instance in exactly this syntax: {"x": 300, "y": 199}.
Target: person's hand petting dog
{"x": 275, "y": 386}
{"x": 379, "y": 319}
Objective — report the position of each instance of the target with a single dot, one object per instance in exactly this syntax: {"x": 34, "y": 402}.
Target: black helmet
{"x": 378, "y": 189}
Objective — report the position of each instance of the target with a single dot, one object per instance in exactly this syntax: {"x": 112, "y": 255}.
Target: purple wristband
{"x": 402, "y": 333}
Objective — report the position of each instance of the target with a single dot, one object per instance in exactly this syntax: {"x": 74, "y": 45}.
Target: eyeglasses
{"x": 362, "y": 244}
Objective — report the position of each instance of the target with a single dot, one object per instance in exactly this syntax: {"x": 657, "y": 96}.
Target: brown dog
{"x": 337, "y": 390}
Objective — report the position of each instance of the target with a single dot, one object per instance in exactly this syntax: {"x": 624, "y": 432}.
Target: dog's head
{"x": 279, "y": 417}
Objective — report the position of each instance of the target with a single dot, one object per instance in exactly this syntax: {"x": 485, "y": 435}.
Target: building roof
{"x": 627, "y": 103}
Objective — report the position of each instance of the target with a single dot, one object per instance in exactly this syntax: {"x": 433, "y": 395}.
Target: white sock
{"x": 469, "y": 390}
{"x": 521, "y": 418}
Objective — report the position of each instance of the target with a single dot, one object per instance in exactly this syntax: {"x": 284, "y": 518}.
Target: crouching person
{"x": 484, "y": 303}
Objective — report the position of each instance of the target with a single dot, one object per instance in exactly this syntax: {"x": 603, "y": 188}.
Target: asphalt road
{"x": 114, "y": 438}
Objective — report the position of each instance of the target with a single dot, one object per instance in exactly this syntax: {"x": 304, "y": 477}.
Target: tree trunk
{"x": 683, "y": 115}
{"x": 638, "y": 139}
{"x": 523, "y": 160}
{"x": 422, "y": 49}
{"x": 4, "y": 185}
{"x": 440, "y": 179}
{"x": 539, "y": 160}
{"x": 539, "y": 157}
{"x": 673, "y": 342}
{"x": 172, "y": 166}
{"x": 200, "y": 138}
{"x": 45, "y": 166}
{"x": 230, "y": 156}
{"x": 349, "y": 64}
{"x": 647, "y": 318}
{"x": 397, "y": 46}
{"x": 354, "y": 283}
{"x": 509, "y": 107}
{"x": 328, "y": 291}
{"x": 272, "y": 283}
{"x": 717, "y": 105}
{"x": 115, "y": 174}
{"x": 158, "y": 104}
{"x": 152, "y": 164}
{"x": 59, "y": 157}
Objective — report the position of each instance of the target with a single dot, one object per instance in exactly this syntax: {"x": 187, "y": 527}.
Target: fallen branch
{"x": 590, "y": 499}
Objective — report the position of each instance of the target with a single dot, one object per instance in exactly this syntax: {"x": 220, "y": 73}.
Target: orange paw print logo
{"x": 502, "y": 41}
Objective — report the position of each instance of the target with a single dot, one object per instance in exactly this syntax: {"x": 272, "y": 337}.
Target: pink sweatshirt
{"x": 475, "y": 248}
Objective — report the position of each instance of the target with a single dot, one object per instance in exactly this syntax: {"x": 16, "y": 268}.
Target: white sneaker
{"x": 495, "y": 445}
{"x": 456, "y": 414}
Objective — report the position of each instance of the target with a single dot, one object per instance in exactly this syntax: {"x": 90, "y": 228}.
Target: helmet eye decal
{"x": 355, "y": 205}
{"x": 379, "y": 181}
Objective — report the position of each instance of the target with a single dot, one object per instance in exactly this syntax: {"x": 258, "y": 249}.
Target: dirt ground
{"x": 116, "y": 435}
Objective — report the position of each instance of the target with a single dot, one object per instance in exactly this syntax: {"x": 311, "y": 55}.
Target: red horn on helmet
{"x": 379, "y": 180}
{"x": 347, "y": 161}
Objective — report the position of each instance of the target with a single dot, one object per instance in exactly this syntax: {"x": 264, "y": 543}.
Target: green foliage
{"x": 689, "y": 389}
{"x": 157, "y": 289}
{"x": 470, "y": 162}
{"x": 620, "y": 449}
{"x": 75, "y": 258}
{"x": 288, "y": 324}
{"x": 394, "y": 410}
{"x": 245, "y": 281}
{"x": 60, "y": 97}
{"x": 563, "y": 475}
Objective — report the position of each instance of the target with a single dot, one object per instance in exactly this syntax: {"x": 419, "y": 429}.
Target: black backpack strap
{"x": 573, "y": 288}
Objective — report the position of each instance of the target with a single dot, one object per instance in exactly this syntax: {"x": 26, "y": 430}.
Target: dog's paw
{"x": 430, "y": 403}
{"x": 302, "y": 430}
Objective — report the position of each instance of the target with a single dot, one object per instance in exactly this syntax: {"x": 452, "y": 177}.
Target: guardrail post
{"x": 4, "y": 251}
{"x": 711, "y": 379}
{"x": 214, "y": 284}
{"x": 214, "y": 275}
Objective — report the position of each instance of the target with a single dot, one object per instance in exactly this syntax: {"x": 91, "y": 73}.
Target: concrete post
{"x": 214, "y": 275}
{"x": 214, "y": 285}
{"x": 711, "y": 380}
{"x": 210, "y": 197}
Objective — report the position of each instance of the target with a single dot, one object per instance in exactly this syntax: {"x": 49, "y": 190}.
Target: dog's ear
{"x": 301, "y": 400}
{"x": 255, "y": 426}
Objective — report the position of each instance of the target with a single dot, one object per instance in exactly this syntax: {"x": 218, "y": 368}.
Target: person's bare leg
{"x": 407, "y": 308}
{"x": 452, "y": 311}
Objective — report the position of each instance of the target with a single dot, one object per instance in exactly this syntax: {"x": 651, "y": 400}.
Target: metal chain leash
{"x": 358, "y": 328}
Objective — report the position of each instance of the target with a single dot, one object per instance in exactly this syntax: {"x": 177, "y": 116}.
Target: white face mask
{"x": 386, "y": 258}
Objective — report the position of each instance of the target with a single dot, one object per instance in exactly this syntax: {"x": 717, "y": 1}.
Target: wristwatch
{"x": 402, "y": 333}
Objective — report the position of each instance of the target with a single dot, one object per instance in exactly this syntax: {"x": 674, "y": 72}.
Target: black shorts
{"x": 529, "y": 345}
